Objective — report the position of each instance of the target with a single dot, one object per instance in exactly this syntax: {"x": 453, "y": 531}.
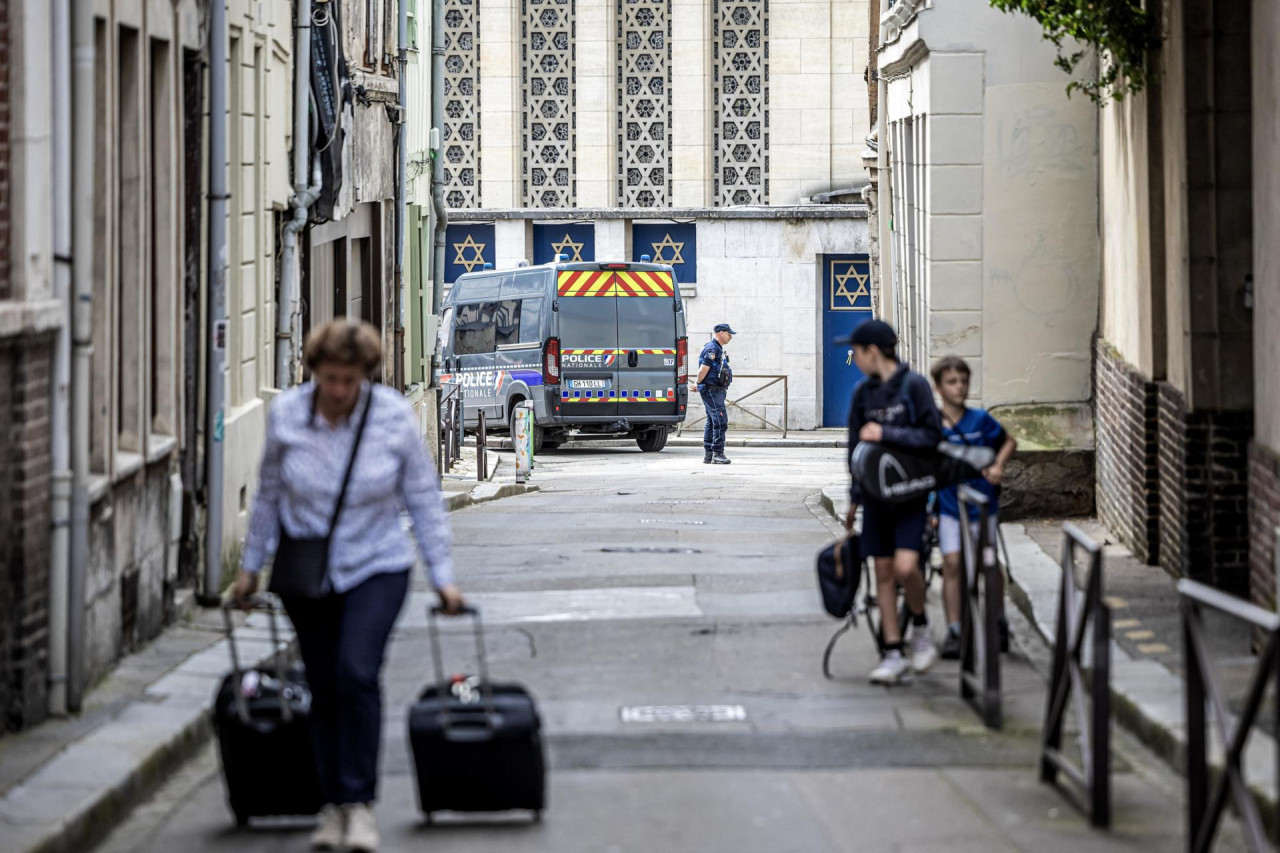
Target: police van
{"x": 600, "y": 350}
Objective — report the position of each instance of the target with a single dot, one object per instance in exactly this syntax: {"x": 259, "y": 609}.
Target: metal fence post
{"x": 482, "y": 457}
{"x": 1197, "y": 754}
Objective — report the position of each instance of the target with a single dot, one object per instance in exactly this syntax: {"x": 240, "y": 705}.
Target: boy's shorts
{"x": 890, "y": 527}
{"x": 949, "y": 533}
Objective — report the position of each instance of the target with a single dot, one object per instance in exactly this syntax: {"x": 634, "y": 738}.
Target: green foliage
{"x": 1120, "y": 30}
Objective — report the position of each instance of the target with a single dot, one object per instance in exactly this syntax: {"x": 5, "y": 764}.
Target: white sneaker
{"x": 923, "y": 652}
{"x": 362, "y": 828}
{"x": 330, "y": 826}
{"x": 892, "y": 669}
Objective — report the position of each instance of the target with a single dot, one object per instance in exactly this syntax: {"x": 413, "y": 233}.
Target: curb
{"x": 55, "y": 811}
{"x": 690, "y": 441}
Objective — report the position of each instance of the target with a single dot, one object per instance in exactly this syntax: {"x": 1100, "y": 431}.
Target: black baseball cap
{"x": 876, "y": 333}
{"x": 724, "y": 327}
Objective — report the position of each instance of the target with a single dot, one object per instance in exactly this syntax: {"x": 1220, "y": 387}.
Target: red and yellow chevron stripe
{"x": 593, "y": 283}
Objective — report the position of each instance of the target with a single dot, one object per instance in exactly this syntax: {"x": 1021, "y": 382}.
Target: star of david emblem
{"x": 563, "y": 247}
{"x": 677, "y": 250}
{"x": 477, "y": 253}
{"x": 844, "y": 299}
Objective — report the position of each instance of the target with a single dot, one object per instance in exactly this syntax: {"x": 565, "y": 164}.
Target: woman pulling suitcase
{"x": 342, "y": 459}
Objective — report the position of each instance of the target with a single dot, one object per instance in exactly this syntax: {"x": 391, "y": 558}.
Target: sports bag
{"x": 838, "y": 575}
{"x": 898, "y": 475}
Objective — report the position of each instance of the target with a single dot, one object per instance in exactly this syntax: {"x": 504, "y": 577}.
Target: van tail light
{"x": 682, "y": 359}
{"x": 551, "y": 362}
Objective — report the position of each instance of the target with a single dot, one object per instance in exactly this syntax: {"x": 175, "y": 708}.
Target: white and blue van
{"x": 599, "y": 348}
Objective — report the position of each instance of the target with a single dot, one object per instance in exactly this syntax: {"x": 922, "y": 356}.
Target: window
{"x": 531, "y": 321}
{"x": 411, "y": 12}
{"x": 507, "y": 323}
{"x": 131, "y": 276}
{"x": 549, "y": 103}
{"x": 473, "y": 329}
{"x": 462, "y": 103}
{"x": 644, "y": 93}
{"x": 162, "y": 412}
{"x": 371, "y": 46}
{"x": 741, "y": 65}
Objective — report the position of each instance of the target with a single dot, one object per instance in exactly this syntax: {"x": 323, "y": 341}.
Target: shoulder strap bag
{"x": 301, "y": 566}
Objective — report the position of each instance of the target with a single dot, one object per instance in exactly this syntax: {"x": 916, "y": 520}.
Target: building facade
{"x": 1185, "y": 406}
{"x": 710, "y": 134}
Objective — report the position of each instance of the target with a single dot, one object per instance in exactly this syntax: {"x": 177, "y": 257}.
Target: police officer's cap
{"x": 724, "y": 327}
{"x": 875, "y": 333}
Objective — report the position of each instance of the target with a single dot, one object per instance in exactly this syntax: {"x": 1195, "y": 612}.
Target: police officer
{"x": 714, "y": 378}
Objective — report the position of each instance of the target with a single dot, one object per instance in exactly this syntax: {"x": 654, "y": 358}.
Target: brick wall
{"x": 1203, "y": 477}
{"x": 1264, "y": 516}
{"x": 1126, "y": 418}
{"x": 25, "y": 366}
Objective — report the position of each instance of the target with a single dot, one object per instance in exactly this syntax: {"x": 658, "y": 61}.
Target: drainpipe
{"x": 304, "y": 195}
{"x": 215, "y": 382}
{"x": 60, "y": 415}
{"x": 83, "y": 156}
{"x": 402, "y": 297}
{"x": 437, "y": 162}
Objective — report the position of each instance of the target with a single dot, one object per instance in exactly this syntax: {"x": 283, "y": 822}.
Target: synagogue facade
{"x": 724, "y": 137}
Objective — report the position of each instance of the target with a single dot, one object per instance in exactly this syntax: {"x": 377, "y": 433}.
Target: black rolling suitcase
{"x": 262, "y": 720}
{"x": 477, "y": 744}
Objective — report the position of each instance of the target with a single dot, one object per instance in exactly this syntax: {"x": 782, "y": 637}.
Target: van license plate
{"x": 588, "y": 383}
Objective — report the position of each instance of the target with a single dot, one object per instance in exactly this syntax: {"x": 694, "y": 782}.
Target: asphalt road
{"x": 637, "y": 580}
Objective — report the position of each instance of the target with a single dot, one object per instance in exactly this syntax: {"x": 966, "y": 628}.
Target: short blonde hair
{"x": 352, "y": 343}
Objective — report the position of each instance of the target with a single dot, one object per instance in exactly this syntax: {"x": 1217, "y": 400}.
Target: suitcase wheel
{"x": 242, "y": 820}
{"x": 537, "y": 815}
{"x": 429, "y": 818}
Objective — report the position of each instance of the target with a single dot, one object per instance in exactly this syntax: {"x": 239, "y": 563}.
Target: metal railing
{"x": 774, "y": 378}
{"x": 482, "y": 449}
{"x": 1077, "y": 609}
{"x": 979, "y": 612}
{"x": 1205, "y": 700}
{"x": 449, "y": 432}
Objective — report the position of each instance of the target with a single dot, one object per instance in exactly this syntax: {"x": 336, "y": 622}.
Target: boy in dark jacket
{"x": 893, "y": 405}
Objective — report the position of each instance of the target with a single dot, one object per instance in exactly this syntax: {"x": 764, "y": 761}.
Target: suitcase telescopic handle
{"x": 270, "y": 604}
{"x": 437, "y": 657}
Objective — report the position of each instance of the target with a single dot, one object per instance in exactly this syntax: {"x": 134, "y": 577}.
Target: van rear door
{"x": 588, "y": 326}
{"x": 647, "y": 343}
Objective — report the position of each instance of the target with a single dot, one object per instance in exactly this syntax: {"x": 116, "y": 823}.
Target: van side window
{"x": 473, "y": 329}
{"x": 531, "y": 321}
{"x": 507, "y": 322}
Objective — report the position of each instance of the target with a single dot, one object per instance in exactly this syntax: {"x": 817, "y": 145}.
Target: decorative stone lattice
{"x": 549, "y": 103}
{"x": 741, "y": 68}
{"x": 644, "y": 103}
{"x": 462, "y": 103}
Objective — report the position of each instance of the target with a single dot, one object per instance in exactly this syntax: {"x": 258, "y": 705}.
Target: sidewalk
{"x": 65, "y": 783}
{"x": 692, "y": 437}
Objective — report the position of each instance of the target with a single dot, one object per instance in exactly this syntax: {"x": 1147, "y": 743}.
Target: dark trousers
{"x": 717, "y": 418}
{"x": 343, "y": 637}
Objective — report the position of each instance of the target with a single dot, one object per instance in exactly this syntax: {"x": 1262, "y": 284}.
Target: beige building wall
{"x": 1266, "y": 222}
{"x": 818, "y": 119}
{"x": 992, "y": 192}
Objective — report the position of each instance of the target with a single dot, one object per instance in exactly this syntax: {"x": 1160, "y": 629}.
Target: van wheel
{"x": 551, "y": 443}
{"x": 538, "y": 435}
{"x": 652, "y": 441}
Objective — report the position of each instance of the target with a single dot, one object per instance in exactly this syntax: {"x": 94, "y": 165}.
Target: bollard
{"x": 482, "y": 456}
{"x": 522, "y": 440}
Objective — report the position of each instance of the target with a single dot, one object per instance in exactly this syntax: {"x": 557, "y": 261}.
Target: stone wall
{"x": 25, "y": 463}
{"x": 1127, "y": 480}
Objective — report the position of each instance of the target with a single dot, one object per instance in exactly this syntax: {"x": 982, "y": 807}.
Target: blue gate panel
{"x": 846, "y": 302}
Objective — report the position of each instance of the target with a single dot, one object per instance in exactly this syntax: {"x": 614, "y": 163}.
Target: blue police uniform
{"x": 713, "y": 388}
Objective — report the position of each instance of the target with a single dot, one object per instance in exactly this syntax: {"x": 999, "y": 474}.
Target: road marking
{"x": 1153, "y": 648}
{"x": 571, "y": 605}
{"x": 671, "y": 521}
{"x": 1126, "y": 623}
{"x": 1116, "y": 603}
{"x": 1140, "y": 635}
{"x": 682, "y": 714}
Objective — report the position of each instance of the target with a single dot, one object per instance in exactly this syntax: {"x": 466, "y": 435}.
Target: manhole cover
{"x": 689, "y": 521}
{"x": 629, "y": 549}
{"x": 682, "y": 714}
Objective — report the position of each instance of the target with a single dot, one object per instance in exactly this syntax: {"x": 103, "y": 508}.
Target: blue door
{"x": 846, "y": 302}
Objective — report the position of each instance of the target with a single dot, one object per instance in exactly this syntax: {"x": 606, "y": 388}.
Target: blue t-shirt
{"x": 977, "y": 429}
